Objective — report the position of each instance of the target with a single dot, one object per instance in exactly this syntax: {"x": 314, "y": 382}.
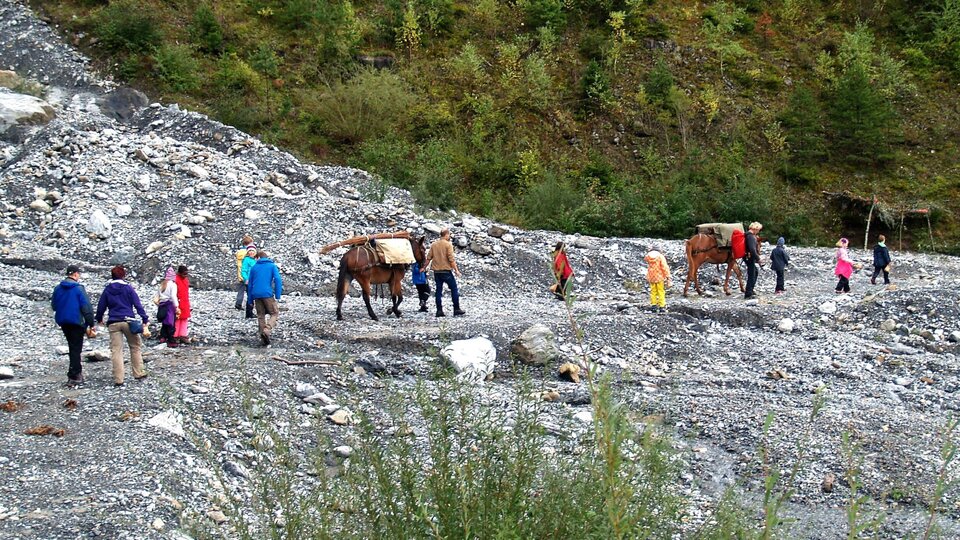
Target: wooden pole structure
{"x": 901, "y": 230}
{"x": 866, "y": 236}
{"x": 930, "y": 230}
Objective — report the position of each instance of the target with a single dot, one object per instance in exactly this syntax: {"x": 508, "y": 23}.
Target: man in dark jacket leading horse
{"x": 752, "y": 258}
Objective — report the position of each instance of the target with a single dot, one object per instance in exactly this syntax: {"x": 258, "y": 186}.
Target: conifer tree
{"x": 803, "y": 122}
{"x": 863, "y": 120}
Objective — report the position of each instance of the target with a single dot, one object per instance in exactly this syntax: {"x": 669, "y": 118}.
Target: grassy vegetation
{"x": 631, "y": 117}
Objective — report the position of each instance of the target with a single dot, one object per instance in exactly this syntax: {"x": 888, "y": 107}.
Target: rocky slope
{"x": 114, "y": 179}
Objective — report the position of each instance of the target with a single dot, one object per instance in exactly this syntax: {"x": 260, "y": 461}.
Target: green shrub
{"x": 234, "y": 76}
{"x": 205, "y": 30}
{"x": 368, "y": 104}
{"x": 803, "y": 121}
{"x": 659, "y": 82}
{"x": 435, "y": 175}
{"x": 543, "y": 13}
{"x": 265, "y": 60}
{"x": 552, "y": 204}
{"x": 127, "y": 25}
{"x": 595, "y": 88}
{"x": 863, "y": 119}
{"x": 390, "y": 157}
{"x": 176, "y": 68}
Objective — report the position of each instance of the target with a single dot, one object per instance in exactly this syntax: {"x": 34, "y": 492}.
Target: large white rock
{"x": 6, "y": 372}
{"x": 786, "y": 326}
{"x": 154, "y": 246}
{"x": 196, "y": 171}
{"x": 471, "y": 358}
{"x": 124, "y": 210}
{"x": 251, "y": 214}
{"x": 169, "y": 420}
{"x": 828, "y": 307}
{"x": 19, "y": 109}
{"x": 41, "y": 206}
{"x": 99, "y": 224}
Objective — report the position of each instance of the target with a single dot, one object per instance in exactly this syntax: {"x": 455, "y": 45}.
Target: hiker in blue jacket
{"x": 264, "y": 287}
{"x": 778, "y": 262}
{"x": 881, "y": 261}
{"x": 74, "y": 314}
{"x": 420, "y": 281}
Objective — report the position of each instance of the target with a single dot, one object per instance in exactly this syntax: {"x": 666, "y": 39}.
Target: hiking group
{"x": 259, "y": 288}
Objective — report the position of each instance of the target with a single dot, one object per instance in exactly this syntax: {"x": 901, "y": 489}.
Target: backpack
{"x": 738, "y": 243}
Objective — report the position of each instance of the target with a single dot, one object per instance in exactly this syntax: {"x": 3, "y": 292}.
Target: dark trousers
{"x": 843, "y": 285}
{"x": 876, "y": 272}
{"x": 74, "y": 335}
{"x": 751, "y": 276}
{"x": 446, "y": 277}
{"x": 423, "y": 293}
{"x": 561, "y": 292}
{"x": 780, "y": 286}
{"x": 167, "y": 331}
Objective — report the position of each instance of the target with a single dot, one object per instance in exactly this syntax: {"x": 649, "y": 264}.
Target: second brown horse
{"x": 702, "y": 249}
{"x": 364, "y": 265}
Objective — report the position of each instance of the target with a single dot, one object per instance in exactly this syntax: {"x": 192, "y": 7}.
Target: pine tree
{"x": 803, "y": 122}
{"x": 863, "y": 120}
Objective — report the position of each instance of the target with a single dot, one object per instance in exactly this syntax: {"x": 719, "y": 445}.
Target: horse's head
{"x": 419, "y": 250}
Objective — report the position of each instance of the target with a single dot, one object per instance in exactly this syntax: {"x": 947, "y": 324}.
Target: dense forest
{"x": 605, "y": 117}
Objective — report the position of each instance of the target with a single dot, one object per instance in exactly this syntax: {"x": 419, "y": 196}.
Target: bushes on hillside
{"x": 205, "y": 30}
{"x": 364, "y": 106}
{"x": 125, "y": 25}
{"x": 176, "y": 67}
{"x": 862, "y": 119}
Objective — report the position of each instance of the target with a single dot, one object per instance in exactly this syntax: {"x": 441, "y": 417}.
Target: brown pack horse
{"x": 702, "y": 249}
{"x": 363, "y": 264}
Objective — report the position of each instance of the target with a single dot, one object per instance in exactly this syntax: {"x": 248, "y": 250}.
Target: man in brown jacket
{"x": 444, "y": 265}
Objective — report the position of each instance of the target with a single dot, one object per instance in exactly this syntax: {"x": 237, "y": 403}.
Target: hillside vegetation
{"x": 606, "y": 117}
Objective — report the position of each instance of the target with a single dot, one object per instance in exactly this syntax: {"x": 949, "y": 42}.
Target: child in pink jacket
{"x": 844, "y": 268}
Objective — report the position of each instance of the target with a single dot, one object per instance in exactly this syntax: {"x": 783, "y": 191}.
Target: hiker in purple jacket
{"x": 119, "y": 300}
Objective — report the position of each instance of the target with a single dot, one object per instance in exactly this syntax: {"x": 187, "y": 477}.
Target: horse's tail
{"x": 342, "y": 279}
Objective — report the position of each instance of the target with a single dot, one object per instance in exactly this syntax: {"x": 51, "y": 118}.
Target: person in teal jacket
{"x": 245, "y": 267}
{"x": 264, "y": 287}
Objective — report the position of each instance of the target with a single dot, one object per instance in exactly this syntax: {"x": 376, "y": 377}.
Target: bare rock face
{"x": 23, "y": 110}
{"x": 536, "y": 345}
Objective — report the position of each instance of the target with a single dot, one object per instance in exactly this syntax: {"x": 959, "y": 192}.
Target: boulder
{"x": 10, "y": 79}
{"x": 170, "y": 421}
{"x": 154, "y": 247}
{"x": 955, "y": 336}
{"x": 888, "y": 325}
{"x": 23, "y": 110}
{"x": 41, "y": 205}
{"x": 123, "y": 255}
{"x": 124, "y": 210}
{"x": 99, "y": 224}
{"x": 471, "y": 358}
{"x": 480, "y": 249}
{"x": 786, "y": 326}
{"x": 6, "y": 372}
{"x": 251, "y": 214}
{"x": 122, "y": 103}
{"x": 432, "y": 227}
{"x": 508, "y": 238}
{"x": 537, "y": 345}
{"x": 588, "y": 242}
{"x": 496, "y": 231}
{"x": 828, "y": 307}
{"x": 570, "y": 372}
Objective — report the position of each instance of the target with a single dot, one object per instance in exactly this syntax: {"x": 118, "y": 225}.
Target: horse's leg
{"x": 396, "y": 291}
{"x": 364, "y": 282}
{"x": 696, "y": 279}
{"x": 690, "y": 273}
{"x": 736, "y": 268}
{"x": 726, "y": 279}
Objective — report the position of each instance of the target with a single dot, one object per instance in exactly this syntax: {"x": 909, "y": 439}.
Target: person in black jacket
{"x": 778, "y": 262}
{"x": 881, "y": 260}
{"x": 74, "y": 315}
{"x": 752, "y": 258}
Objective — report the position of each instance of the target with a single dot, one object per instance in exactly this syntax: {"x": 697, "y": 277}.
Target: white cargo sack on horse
{"x": 722, "y": 231}
{"x": 395, "y": 251}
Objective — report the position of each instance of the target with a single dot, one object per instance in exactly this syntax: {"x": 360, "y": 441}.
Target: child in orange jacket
{"x": 658, "y": 275}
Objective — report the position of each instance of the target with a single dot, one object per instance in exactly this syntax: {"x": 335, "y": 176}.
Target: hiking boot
{"x": 423, "y": 307}
{"x": 873, "y": 281}
{"x": 264, "y": 340}
{"x": 75, "y": 382}
{"x": 440, "y": 313}
{"x": 459, "y": 312}
{"x": 238, "y": 307}
{"x": 142, "y": 377}
{"x": 172, "y": 344}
